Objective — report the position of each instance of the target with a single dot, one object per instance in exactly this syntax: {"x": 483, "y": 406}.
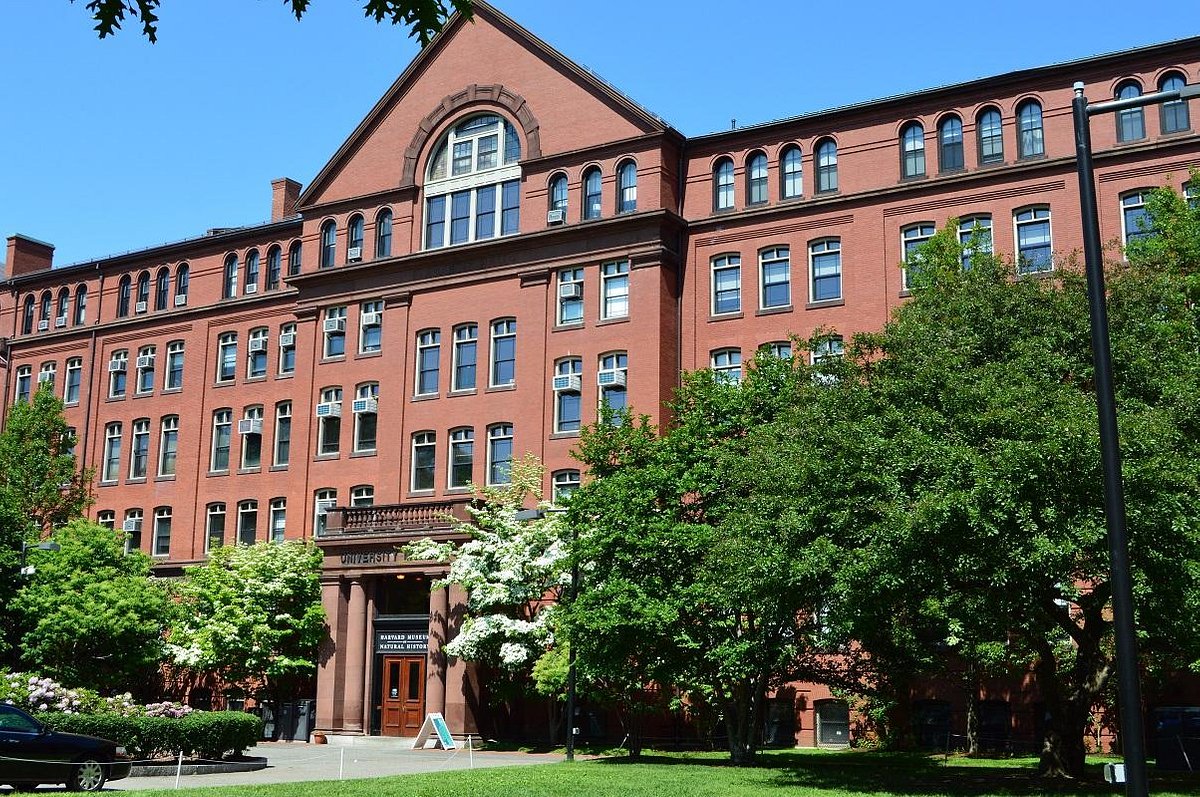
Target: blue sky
{"x": 112, "y": 145}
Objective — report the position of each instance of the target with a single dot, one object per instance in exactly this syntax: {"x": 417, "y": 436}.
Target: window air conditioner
{"x": 611, "y": 379}
{"x": 43, "y": 325}
{"x": 145, "y": 361}
{"x": 250, "y": 426}
{"x": 116, "y": 366}
{"x": 329, "y": 409}
{"x": 371, "y": 319}
{"x": 556, "y": 216}
{"x": 251, "y": 287}
{"x": 354, "y": 254}
{"x": 132, "y": 524}
{"x": 287, "y": 339}
{"x": 140, "y": 307}
{"x": 335, "y": 325}
{"x": 567, "y": 383}
{"x": 180, "y": 299}
{"x": 365, "y": 405}
{"x": 60, "y": 322}
{"x": 570, "y": 290}
{"x": 258, "y": 344}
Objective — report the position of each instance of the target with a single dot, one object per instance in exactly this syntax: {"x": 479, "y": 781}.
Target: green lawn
{"x": 789, "y": 773}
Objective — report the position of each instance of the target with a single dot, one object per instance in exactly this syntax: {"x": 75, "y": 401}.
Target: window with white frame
{"x": 824, "y": 353}
{"x": 500, "y": 453}
{"x": 614, "y": 290}
{"x": 424, "y": 456}
{"x": 174, "y": 376}
{"x": 781, "y": 349}
{"x": 108, "y": 519}
{"x": 366, "y": 416}
{"x": 247, "y": 533}
{"x": 256, "y": 354}
{"x": 504, "y": 353}
{"x": 329, "y": 421}
{"x": 168, "y": 445}
{"x": 222, "y": 439}
{"x": 727, "y": 365}
{"x": 334, "y": 329}
{"x": 182, "y": 277}
{"x": 558, "y": 193}
{"x": 74, "y": 378}
{"x": 70, "y": 440}
{"x": 370, "y": 327}
{"x": 429, "y": 346}
{"x": 1030, "y": 140}
{"x": 565, "y": 483}
{"x": 466, "y": 352}
{"x": 570, "y": 296}
{"x": 362, "y": 495}
{"x": 230, "y": 284}
{"x": 727, "y": 284}
{"x": 323, "y": 500}
{"x": 825, "y": 267}
{"x": 912, "y": 238}
{"x": 251, "y": 272}
{"x": 214, "y": 536}
{"x": 226, "y": 356}
{"x": 118, "y": 367}
{"x": 1034, "y": 245}
{"x": 111, "y": 468}
{"x": 47, "y": 374}
{"x": 132, "y": 526}
{"x": 568, "y": 400}
{"x": 1135, "y": 218}
{"x": 250, "y": 429}
{"x": 775, "y": 274}
{"x": 792, "y": 172}
{"x": 144, "y": 370}
{"x": 975, "y": 236}
{"x": 462, "y": 458}
{"x": 354, "y": 238}
{"x": 283, "y": 433}
{"x": 612, "y": 378}
{"x": 278, "y": 519}
{"x": 24, "y": 384}
{"x": 162, "y": 531}
{"x": 723, "y": 184}
{"x": 287, "y": 349}
{"x": 473, "y": 183}
{"x": 139, "y": 451}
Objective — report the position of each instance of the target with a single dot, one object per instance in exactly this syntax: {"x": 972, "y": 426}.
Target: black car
{"x": 32, "y": 754}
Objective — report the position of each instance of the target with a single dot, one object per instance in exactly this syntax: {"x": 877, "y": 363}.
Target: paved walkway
{"x": 292, "y": 762}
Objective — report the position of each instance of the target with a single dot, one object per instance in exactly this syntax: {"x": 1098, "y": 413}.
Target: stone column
{"x": 356, "y": 662}
{"x": 435, "y": 677}
{"x": 328, "y": 656}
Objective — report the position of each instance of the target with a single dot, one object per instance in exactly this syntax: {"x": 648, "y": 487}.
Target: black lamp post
{"x": 49, "y": 545}
{"x": 1132, "y": 733}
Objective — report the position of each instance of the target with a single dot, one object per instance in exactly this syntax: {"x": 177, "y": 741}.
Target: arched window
{"x": 756, "y": 179}
{"x": 1131, "y": 122}
{"x": 251, "y": 272}
{"x": 162, "y": 288}
{"x": 47, "y": 304}
{"x": 354, "y": 236}
{"x": 274, "y": 267}
{"x": 123, "y": 296}
{"x": 723, "y": 184}
{"x": 30, "y": 312}
{"x": 81, "y": 305}
{"x": 1173, "y": 115}
{"x": 1030, "y": 143}
{"x": 63, "y": 308}
{"x": 912, "y": 150}
{"x": 591, "y": 193}
{"x": 328, "y": 244}
{"x": 827, "y": 168}
{"x": 473, "y": 183}
{"x": 627, "y": 187}
{"x": 143, "y": 292}
{"x": 383, "y": 234}
{"x": 791, "y": 172}
{"x": 295, "y": 253}
{"x": 558, "y": 193}
{"x": 182, "y": 275}
{"x": 950, "y": 144}
{"x": 229, "y": 289}
{"x": 991, "y": 136}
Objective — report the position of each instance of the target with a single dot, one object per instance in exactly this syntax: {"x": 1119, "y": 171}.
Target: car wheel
{"x": 88, "y": 775}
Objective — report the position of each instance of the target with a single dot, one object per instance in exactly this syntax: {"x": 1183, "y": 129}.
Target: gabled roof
{"x": 635, "y": 112}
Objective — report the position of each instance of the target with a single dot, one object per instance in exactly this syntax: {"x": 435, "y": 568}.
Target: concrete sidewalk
{"x": 295, "y": 762}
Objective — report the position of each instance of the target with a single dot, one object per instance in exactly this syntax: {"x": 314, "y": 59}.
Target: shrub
{"x": 202, "y": 734}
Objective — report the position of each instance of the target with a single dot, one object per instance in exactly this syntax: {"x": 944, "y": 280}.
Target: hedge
{"x": 201, "y": 734}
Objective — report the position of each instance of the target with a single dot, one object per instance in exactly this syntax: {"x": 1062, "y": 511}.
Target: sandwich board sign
{"x": 434, "y": 728}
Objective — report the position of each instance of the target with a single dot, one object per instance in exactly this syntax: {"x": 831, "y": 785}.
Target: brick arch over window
{"x": 454, "y": 105}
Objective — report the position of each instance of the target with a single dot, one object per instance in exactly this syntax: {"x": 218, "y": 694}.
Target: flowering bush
{"x": 42, "y": 695}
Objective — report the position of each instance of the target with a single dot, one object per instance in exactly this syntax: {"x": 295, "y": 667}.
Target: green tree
{"x": 93, "y": 615}
{"x": 252, "y": 615}
{"x": 423, "y": 18}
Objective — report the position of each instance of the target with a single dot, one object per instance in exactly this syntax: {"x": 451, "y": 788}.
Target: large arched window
{"x": 756, "y": 179}
{"x": 791, "y": 173}
{"x": 328, "y": 243}
{"x": 251, "y": 272}
{"x": 473, "y": 183}
{"x": 991, "y": 136}
{"x": 182, "y": 275}
{"x": 162, "y": 288}
{"x": 950, "y": 144}
{"x": 591, "y": 193}
{"x": 143, "y": 292}
{"x": 30, "y": 312}
{"x": 383, "y": 234}
{"x": 723, "y": 184}
{"x": 1173, "y": 115}
{"x": 1131, "y": 122}
{"x": 1030, "y": 143}
{"x": 123, "y": 290}
{"x": 81, "y": 305}
{"x": 912, "y": 150}
{"x": 62, "y": 308}
{"x": 229, "y": 288}
{"x": 627, "y": 187}
{"x": 558, "y": 195}
{"x": 354, "y": 236}
{"x": 295, "y": 253}
{"x": 827, "y": 166}
{"x": 274, "y": 267}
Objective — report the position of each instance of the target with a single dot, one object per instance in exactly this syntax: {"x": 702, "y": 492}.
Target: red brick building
{"x": 501, "y": 246}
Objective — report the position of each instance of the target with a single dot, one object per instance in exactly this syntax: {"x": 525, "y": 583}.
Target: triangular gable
{"x": 488, "y": 58}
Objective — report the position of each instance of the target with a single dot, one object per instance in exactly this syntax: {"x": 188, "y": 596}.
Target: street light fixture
{"x": 49, "y": 545}
{"x": 1132, "y": 733}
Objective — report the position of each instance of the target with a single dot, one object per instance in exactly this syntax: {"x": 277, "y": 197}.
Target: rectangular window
{"x": 366, "y": 417}
{"x": 776, "y": 289}
{"x": 510, "y": 207}
{"x": 334, "y": 328}
{"x": 174, "y": 379}
{"x": 466, "y": 343}
{"x": 428, "y": 349}
{"x": 250, "y": 430}
{"x": 256, "y": 354}
{"x": 913, "y": 238}
{"x": 975, "y": 235}
{"x": 1033, "y": 240}
{"x": 485, "y": 212}
{"x": 247, "y": 522}
{"x": 614, "y": 290}
{"x": 435, "y": 222}
{"x": 168, "y": 446}
{"x": 462, "y": 457}
{"x": 424, "y": 453}
{"x": 462, "y": 157}
{"x": 117, "y": 374}
{"x": 222, "y": 436}
{"x": 162, "y": 532}
{"x": 145, "y": 370}
{"x": 570, "y": 296}
{"x": 215, "y": 529}
{"x": 500, "y": 451}
{"x": 227, "y": 357}
{"x": 287, "y": 349}
{"x": 825, "y": 258}
{"x": 504, "y": 352}
{"x": 24, "y": 385}
{"x": 283, "y": 433}
{"x": 278, "y": 519}
{"x": 139, "y": 455}
{"x": 460, "y": 217}
{"x": 329, "y": 425}
{"x": 486, "y": 156}
{"x": 370, "y": 327}
{"x": 112, "y": 453}
{"x": 74, "y": 377}
{"x": 727, "y": 284}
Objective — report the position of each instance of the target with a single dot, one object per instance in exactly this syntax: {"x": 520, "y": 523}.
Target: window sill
{"x": 335, "y": 358}
{"x": 426, "y": 396}
{"x": 278, "y": 468}
{"x": 603, "y": 322}
{"x": 567, "y": 327}
{"x": 213, "y": 473}
{"x": 905, "y": 293}
{"x": 288, "y": 375}
{"x": 828, "y": 192}
{"x": 136, "y": 480}
{"x": 114, "y": 398}
{"x": 259, "y": 378}
{"x": 365, "y": 355}
{"x": 110, "y": 483}
{"x": 783, "y": 308}
{"x": 458, "y": 491}
{"x": 825, "y": 303}
{"x": 327, "y": 457}
{"x": 167, "y": 390}
{"x": 143, "y": 394}
{"x": 70, "y": 404}
{"x": 956, "y": 170}
{"x": 563, "y": 435}
{"x": 466, "y": 391}
{"x": 912, "y": 178}
{"x": 1041, "y": 156}
{"x": 420, "y": 493}
{"x": 224, "y": 383}
{"x": 246, "y": 471}
{"x": 169, "y": 478}
{"x": 357, "y": 454}
{"x": 501, "y": 389}
{"x": 726, "y": 316}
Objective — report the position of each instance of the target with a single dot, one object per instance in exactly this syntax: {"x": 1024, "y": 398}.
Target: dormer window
{"x": 472, "y": 186}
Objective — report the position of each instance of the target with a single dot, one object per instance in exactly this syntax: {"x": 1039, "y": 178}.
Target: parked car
{"x": 32, "y": 754}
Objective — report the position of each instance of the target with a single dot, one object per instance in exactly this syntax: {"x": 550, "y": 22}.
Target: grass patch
{"x": 792, "y": 773}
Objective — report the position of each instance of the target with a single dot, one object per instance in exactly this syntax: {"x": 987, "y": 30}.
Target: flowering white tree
{"x": 513, "y": 570}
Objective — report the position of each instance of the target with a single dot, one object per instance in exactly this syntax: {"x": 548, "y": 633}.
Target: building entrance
{"x": 403, "y": 698}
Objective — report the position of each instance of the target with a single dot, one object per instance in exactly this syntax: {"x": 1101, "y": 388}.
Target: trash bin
{"x": 268, "y": 718}
{"x": 285, "y": 723}
{"x": 305, "y": 716}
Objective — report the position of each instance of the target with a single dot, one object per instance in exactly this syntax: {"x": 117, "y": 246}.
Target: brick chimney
{"x": 284, "y": 193}
{"x": 27, "y": 255}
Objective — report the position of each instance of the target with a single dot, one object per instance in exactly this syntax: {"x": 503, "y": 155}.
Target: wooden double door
{"x": 403, "y": 699}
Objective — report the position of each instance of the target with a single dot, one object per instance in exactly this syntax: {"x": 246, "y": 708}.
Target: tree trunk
{"x": 742, "y": 712}
{"x": 973, "y": 717}
{"x": 1063, "y": 751}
